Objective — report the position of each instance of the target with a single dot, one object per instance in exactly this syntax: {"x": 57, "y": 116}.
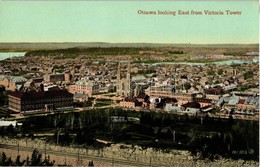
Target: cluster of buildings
{"x": 56, "y": 84}
{"x": 191, "y": 92}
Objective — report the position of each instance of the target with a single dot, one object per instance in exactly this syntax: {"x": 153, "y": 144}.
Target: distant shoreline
{"x": 26, "y": 46}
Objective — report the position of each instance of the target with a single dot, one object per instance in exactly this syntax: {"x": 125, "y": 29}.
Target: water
{"x": 5, "y": 55}
{"x": 226, "y": 62}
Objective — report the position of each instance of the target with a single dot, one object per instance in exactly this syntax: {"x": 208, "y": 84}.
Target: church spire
{"x": 128, "y": 75}
{"x": 118, "y": 72}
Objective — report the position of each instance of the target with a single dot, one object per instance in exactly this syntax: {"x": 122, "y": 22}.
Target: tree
{"x": 91, "y": 164}
{"x": 220, "y": 72}
{"x": 248, "y": 75}
{"x": 210, "y": 72}
{"x": 36, "y": 158}
{"x": 48, "y": 162}
{"x": 187, "y": 86}
{"x": 10, "y": 130}
{"x": 18, "y": 161}
{"x": 3, "y": 159}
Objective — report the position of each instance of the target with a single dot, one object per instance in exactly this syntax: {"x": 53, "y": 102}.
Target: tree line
{"x": 35, "y": 160}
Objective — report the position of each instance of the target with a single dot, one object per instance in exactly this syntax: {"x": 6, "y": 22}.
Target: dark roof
{"x": 41, "y": 94}
{"x": 128, "y": 99}
{"x": 169, "y": 100}
{"x": 191, "y": 105}
{"x": 217, "y": 91}
{"x": 141, "y": 96}
{"x": 37, "y": 80}
{"x": 203, "y": 100}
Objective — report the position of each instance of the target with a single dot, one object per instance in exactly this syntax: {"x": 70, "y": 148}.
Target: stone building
{"x": 123, "y": 88}
{"x": 57, "y": 77}
{"x": 40, "y": 101}
{"x": 84, "y": 87}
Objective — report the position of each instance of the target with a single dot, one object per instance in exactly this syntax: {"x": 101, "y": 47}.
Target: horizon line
{"x": 136, "y": 43}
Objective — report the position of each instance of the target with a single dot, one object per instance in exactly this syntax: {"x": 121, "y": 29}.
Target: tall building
{"x": 123, "y": 88}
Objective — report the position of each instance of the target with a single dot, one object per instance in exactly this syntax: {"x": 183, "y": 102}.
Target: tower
{"x": 118, "y": 80}
{"x": 123, "y": 84}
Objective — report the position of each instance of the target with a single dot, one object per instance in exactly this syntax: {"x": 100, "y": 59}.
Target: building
{"x": 123, "y": 88}
{"x": 80, "y": 97}
{"x": 12, "y": 83}
{"x": 7, "y": 123}
{"x": 40, "y": 101}
{"x": 57, "y": 77}
{"x": 84, "y": 87}
{"x": 130, "y": 103}
{"x": 160, "y": 91}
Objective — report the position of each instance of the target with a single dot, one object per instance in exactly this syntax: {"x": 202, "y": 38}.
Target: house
{"x": 78, "y": 97}
{"x": 130, "y": 103}
{"x": 191, "y": 107}
{"x": 203, "y": 102}
{"x": 171, "y": 107}
{"x": 12, "y": 83}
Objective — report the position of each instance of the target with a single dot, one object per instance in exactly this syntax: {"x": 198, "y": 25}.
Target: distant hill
{"x": 49, "y": 46}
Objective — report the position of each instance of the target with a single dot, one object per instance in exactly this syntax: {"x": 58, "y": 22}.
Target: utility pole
{"x": 78, "y": 158}
{"x": 18, "y": 147}
{"x": 173, "y": 136}
{"x": 58, "y": 133}
{"x": 113, "y": 159}
{"x": 45, "y": 148}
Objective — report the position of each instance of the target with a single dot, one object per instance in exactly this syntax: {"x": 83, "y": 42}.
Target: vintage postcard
{"x": 129, "y": 83}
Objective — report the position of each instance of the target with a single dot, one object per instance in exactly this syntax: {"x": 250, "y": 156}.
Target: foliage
{"x": 93, "y": 51}
{"x": 3, "y": 99}
{"x": 248, "y": 75}
{"x": 90, "y": 164}
{"x": 243, "y": 88}
{"x": 8, "y": 131}
{"x": 186, "y": 86}
{"x": 210, "y": 72}
{"x": 88, "y": 125}
{"x": 220, "y": 71}
{"x": 234, "y": 53}
{"x": 146, "y": 71}
{"x": 36, "y": 160}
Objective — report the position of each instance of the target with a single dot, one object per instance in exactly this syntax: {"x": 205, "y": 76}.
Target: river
{"x": 225, "y": 62}
{"x": 5, "y": 55}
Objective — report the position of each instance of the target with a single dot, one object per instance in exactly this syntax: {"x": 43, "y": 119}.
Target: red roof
{"x": 241, "y": 101}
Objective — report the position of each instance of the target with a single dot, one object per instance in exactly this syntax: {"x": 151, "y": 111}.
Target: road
{"x": 78, "y": 156}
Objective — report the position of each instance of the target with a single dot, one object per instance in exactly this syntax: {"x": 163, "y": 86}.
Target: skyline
{"x": 119, "y": 22}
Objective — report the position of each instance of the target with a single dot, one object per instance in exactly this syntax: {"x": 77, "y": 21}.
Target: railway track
{"x": 78, "y": 156}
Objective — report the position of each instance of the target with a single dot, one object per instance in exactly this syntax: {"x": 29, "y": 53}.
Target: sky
{"x": 119, "y": 22}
